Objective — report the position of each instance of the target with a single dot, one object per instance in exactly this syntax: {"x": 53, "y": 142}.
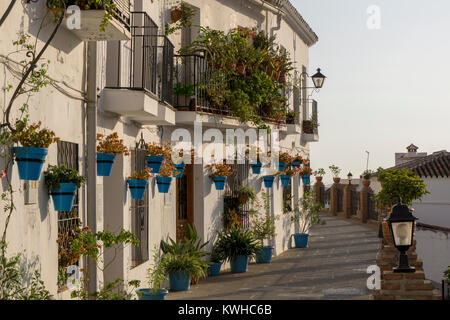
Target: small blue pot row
{"x": 256, "y": 167}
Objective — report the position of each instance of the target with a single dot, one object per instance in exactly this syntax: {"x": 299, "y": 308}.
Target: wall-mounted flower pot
{"x": 180, "y": 170}
{"x": 179, "y": 281}
{"x": 30, "y": 161}
{"x": 105, "y": 162}
{"x": 264, "y": 255}
{"x": 285, "y": 179}
{"x": 163, "y": 184}
{"x": 214, "y": 269}
{"x": 366, "y": 183}
{"x": 306, "y": 179}
{"x": 63, "y": 197}
{"x": 296, "y": 164}
{"x": 301, "y": 240}
{"x": 137, "y": 188}
{"x": 281, "y": 166}
{"x": 154, "y": 163}
{"x": 239, "y": 264}
{"x": 256, "y": 168}
{"x": 268, "y": 181}
{"x": 219, "y": 182}
{"x": 148, "y": 294}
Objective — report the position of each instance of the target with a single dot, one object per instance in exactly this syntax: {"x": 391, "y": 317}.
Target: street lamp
{"x": 318, "y": 79}
{"x": 349, "y": 176}
{"x": 401, "y": 223}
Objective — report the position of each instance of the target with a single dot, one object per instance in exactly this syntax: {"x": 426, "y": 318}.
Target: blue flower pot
{"x": 155, "y": 162}
{"x": 163, "y": 184}
{"x": 285, "y": 179}
{"x": 105, "y": 163}
{"x": 64, "y": 196}
{"x": 137, "y": 188}
{"x": 239, "y": 264}
{"x": 301, "y": 240}
{"x": 282, "y": 166}
{"x": 296, "y": 164}
{"x": 180, "y": 169}
{"x": 256, "y": 168}
{"x": 147, "y": 294}
{"x": 219, "y": 182}
{"x": 306, "y": 179}
{"x": 30, "y": 161}
{"x": 179, "y": 281}
{"x": 264, "y": 255}
{"x": 268, "y": 181}
{"x": 214, "y": 269}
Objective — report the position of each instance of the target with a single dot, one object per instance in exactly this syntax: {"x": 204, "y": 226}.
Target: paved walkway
{"x": 333, "y": 267}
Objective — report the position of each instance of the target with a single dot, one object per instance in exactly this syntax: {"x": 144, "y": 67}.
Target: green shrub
{"x": 235, "y": 242}
{"x": 62, "y": 174}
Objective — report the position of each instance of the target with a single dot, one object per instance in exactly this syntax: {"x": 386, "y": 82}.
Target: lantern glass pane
{"x": 402, "y": 233}
{"x": 318, "y": 82}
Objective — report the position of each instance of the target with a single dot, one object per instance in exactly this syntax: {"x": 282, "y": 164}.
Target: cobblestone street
{"x": 333, "y": 267}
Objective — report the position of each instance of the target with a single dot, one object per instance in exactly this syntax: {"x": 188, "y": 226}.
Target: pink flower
{"x": 3, "y": 173}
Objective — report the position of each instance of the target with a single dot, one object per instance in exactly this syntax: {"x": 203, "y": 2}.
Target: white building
{"x": 123, "y": 86}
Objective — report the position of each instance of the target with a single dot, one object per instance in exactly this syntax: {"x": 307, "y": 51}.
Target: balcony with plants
{"x": 241, "y": 76}
{"x": 310, "y": 124}
{"x": 139, "y": 85}
{"x": 99, "y": 20}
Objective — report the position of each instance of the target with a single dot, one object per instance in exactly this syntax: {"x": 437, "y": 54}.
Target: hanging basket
{"x": 306, "y": 179}
{"x": 137, "y": 188}
{"x": 256, "y": 168}
{"x": 268, "y": 181}
{"x": 63, "y": 197}
{"x": 30, "y": 161}
{"x": 154, "y": 163}
{"x": 105, "y": 162}
{"x": 163, "y": 184}
{"x": 180, "y": 170}
{"x": 219, "y": 182}
{"x": 285, "y": 179}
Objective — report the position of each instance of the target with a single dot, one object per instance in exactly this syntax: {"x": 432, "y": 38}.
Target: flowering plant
{"x": 32, "y": 136}
{"x": 141, "y": 175}
{"x": 291, "y": 172}
{"x": 167, "y": 170}
{"x": 305, "y": 171}
{"x": 262, "y": 227}
{"x": 233, "y": 218}
{"x": 297, "y": 158}
{"x": 160, "y": 150}
{"x": 219, "y": 170}
{"x": 111, "y": 144}
{"x": 285, "y": 157}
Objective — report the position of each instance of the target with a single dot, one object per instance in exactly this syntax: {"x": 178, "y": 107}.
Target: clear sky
{"x": 387, "y": 87}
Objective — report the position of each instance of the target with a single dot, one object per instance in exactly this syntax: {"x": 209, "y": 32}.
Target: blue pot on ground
{"x": 163, "y": 184}
{"x": 179, "y": 281}
{"x": 155, "y": 162}
{"x": 137, "y": 188}
{"x": 306, "y": 179}
{"x": 264, "y": 255}
{"x": 268, "y": 181}
{"x": 214, "y": 269}
{"x": 296, "y": 164}
{"x": 30, "y": 161}
{"x": 105, "y": 163}
{"x": 285, "y": 179}
{"x": 219, "y": 182}
{"x": 282, "y": 166}
{"x": 148, "y": 294}
{"x": 239, "y": 264}
{"x": 256, "y": 167}
{"x": 180, "y": 169}
{"x": 63, "y": 197}
{"x": 301, "y": 240}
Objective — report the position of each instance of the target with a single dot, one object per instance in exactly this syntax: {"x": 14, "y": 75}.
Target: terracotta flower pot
{"x": 366, "y": 183}
{"x": 175, "y": 15}
{"x": 319, "y": 179}
{"x": 336, "y": 180}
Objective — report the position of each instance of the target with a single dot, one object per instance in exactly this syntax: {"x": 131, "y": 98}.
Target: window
{"x": 231, "y": 201}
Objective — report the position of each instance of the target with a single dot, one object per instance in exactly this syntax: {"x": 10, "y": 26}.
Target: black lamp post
{"x": 401, "y": 223}
{"x": 349, "y": 176}
{"x": 318, "y": 79}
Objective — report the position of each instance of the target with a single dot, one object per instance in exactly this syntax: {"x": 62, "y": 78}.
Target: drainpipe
{"x": 90, "y": 156}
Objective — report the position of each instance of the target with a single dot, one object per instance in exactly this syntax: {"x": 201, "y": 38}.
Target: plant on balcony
{"x": 138, "y": 182}
{"x": 336, "y": 171}
{"x": 109, "y": 6}
{"x": 108, "y": 148}
{"x": 219, "y": 173}
{"x": 181, "y": 17}
{"x": 292, "y": 116}
{"x": 62, "y": 182}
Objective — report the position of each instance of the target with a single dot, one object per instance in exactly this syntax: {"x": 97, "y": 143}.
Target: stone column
{"x": 317, "y": 190}
{"x": 364, "y": 204}
{"x": 348, "y": 201}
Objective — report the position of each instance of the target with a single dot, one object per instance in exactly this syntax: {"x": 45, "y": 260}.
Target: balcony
{"x": 193, "y": 96}
{"x": 144, "y": 92}
{"x": 118, "y": 27}
{"x": 310, "y": 130}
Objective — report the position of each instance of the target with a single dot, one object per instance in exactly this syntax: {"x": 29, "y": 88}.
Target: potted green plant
{"x": 306, "y": 213}
{"x": 138, "y": 182}
{"x": 285, "y": 159}
{"x": 30, "y": 157}
{"x": 305, "y": 172}
{"x": 367, "y": 174}
{"x": 107, "y": 149}
{"x": 319, "y": 173}
{"x": 181, "y": 16}
{"x": 297, "y": 160}
{"x": 157, "y": 153}
{"x": 156, "y": 277}
{"x": 287, "y": 174}
{"x": 238, "y": 245}
{"x": 263, "y": 227}
{"x": 219, "y": 174}
{"x": 245, "y": 194}
{"x": 217, "y": 258}
{"x": 62, "y": 182}
{"x": 164, "y": 179}
{"x": 336, "y": 172}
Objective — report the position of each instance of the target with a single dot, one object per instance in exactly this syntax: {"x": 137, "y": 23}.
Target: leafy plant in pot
{"x": 287, "y": 174}
{"x": 245, "y": 194}
{"x": 367, "y": 174}
{"x": 156, "y": 277}
{"x": 30, "y": 157}
{"x": 285, "y": 160}
{"x": 263, "y": 227}
{"x": 336, "y": 172}
{"x": 164, "y": 179}
{"x": 319, "y": 173}
{"x": 138, "y": 182}
{"x": 305, "y": 172}
{"x": 238, "y": 245}
{"x": 107, "y": 149}
{"x": 217, "y": 258}
{"x": 297, "y": 160}
{"x": 306, "y": 213}
{"x": 157, "y": 153}
{"x": 219, "y": 174}
{"x": 62, "y": 182}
